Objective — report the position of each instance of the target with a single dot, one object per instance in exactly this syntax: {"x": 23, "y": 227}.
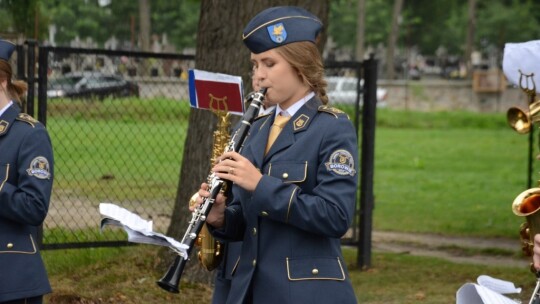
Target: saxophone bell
{"x": 527, "y": 204}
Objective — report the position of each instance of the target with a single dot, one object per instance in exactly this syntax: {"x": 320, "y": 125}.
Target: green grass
{"x": 450, "y": 173}
{"x": 450, "y": 181}
{"x": 127, "y": 275}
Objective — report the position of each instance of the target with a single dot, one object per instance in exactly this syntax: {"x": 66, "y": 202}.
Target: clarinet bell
{"x": 171, "y": 280}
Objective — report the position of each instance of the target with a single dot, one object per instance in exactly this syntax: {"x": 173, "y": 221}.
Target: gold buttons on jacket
{"x": 264, "y": 213}
{"x": 254, "y": 231}
{"x": 315, "y": 271}
{"x": 9, "y": 245}
{"x": 254, "y": 262}
{"x": 285, "y": 175}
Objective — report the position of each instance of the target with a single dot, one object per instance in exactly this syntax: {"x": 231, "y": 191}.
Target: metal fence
{"x": 118, "y": 121}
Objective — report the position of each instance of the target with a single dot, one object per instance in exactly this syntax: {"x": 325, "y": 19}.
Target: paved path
{"x": 439, "y": 246}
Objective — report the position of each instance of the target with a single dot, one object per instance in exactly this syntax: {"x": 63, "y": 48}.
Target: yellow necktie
{"x": 276, "y": 128}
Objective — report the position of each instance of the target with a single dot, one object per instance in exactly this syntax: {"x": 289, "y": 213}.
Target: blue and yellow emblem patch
{"x": 39, "y": 167}
{"x": 277, "y": 32}
{"x": 341, "y": 162}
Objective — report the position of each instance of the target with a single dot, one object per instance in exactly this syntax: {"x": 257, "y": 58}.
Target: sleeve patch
{"x": 39, "y": 167}
{"x": 341, "y": 162}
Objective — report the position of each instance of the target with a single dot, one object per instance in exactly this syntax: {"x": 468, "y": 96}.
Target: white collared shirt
{"x": 296, "y": 106}
{"x": 4, "y": 109}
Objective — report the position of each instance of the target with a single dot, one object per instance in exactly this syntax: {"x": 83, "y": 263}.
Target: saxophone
{"x": 170, "y": 281}
{"x": 210, "y": 250}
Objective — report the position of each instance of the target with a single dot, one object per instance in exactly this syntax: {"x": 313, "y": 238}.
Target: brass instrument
{"x": 170, "y": 281}
{"x": 521, "y": 120}
{"x": 210, "y": 252}
{"x": 527, "y": 203}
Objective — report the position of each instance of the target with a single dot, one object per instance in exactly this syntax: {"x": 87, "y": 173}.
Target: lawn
{"x": 450, "y": 173}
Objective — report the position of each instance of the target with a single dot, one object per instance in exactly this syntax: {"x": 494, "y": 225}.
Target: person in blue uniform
{"x": 26, "y": 178}
{"x": 293, "y": 197}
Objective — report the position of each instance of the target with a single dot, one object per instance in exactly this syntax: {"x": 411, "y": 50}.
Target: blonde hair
{"x": 305, "y": 58}
{"x": 15, "y": 89}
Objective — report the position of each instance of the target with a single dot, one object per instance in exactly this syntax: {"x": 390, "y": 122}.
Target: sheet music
{"x": 522, "y": 56}
{"x": 497, "y": 285}
{"x": 138, "y": 229}
{"x": 471, "y": 293}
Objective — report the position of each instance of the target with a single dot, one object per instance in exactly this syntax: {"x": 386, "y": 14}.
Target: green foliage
{"x": 23, "y": 15}
{"x": 343, "y": 18}
{"x": 514, "y": 21}
{"x": 178, "y": 20}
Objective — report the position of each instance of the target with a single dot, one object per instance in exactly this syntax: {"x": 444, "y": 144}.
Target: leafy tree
{"x": 178, "y": 20}
{"x": 342, "y": 23}
{"x": 500, "y": 22}
{"x": 24, "y": 17}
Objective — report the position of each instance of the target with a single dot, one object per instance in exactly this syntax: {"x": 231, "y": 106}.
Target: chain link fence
{"x": 118, "y": 122}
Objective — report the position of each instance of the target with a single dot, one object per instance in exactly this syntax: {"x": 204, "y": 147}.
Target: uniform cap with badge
{"x": 6, "y": 49}
{"x": 280, "y": 25}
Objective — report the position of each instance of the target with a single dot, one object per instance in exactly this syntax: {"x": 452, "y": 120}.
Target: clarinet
{"x": 535, "y": 298}
{"x": 170, "y": 281}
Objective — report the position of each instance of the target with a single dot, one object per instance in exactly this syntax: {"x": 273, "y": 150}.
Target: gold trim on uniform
{"x": 262, "y": 116}
{"x": 315, "y": 271}
{"x": 332, "y": 110}
{"x": 290, "y": 203}
{"x": 300, "y": 122}
{"x": 5, "y": 179}
{"x": 286, "y": 175}
{"x": 235, "y": 266}
{"x": 23, "y": 252}
{"x": 27, "y": 118}
{"x": 277, "y": 19}
{"x": 3, "y": 126}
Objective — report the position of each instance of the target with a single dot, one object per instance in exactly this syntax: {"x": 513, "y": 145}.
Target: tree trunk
{"x": 471, "y": 27}
{"x": 360, "y": 29}
{"x": 219, "y": 49}
{"x": 144, "y": 22}
{"x": 392, "y": 39}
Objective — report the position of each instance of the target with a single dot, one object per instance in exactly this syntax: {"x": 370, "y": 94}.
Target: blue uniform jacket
{"x": 292, "y": 223}
{"x": 26, "y": 166}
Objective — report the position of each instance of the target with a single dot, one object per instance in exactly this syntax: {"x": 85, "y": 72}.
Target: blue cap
{"x": 6, "y": 49}
{"x": 280, "y": 25}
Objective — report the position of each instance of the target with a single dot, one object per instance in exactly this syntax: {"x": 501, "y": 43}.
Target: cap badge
{"x": 277, "y": 32}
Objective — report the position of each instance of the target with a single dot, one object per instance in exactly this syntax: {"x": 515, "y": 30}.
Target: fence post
{"x": 367, "y": 162}
{"x": 30, "y": 74}
{"x": 21, "y": 60}
{"x": 43, "y": 67}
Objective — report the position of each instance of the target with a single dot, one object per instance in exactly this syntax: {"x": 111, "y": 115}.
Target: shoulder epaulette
{"x": 27, "y": 118}
{"x": 331, "y": 110}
